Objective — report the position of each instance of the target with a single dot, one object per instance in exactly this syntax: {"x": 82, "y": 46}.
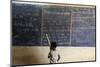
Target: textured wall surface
{"x": 39, "y": 55}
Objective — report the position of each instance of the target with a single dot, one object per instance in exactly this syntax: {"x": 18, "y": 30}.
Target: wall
{"x": 39, "y": 55}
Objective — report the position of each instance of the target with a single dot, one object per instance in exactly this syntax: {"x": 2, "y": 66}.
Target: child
{"x": 53, "y": 54}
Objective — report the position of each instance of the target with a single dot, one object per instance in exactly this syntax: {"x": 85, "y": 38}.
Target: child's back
{"x": 53, "y": 54}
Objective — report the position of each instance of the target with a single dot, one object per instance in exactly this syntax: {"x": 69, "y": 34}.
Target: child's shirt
{"x": 54, "y": 56}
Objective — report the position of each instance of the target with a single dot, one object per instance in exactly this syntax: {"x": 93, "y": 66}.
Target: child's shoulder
{"x": 54, "y": 51}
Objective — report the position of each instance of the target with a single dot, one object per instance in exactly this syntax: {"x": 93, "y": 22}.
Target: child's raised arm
{"x": 48, "y": 40}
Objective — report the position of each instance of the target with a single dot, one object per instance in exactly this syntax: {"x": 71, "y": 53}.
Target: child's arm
{"x": 58, "y": 57}
{"x": 48, "y": 40}
{"x": 49, "y": 55}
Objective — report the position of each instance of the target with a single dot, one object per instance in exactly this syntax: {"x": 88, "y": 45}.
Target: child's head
{"x": 53, "y": 45}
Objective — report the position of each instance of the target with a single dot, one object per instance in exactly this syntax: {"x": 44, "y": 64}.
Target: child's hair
{"x": 53, "y": 45}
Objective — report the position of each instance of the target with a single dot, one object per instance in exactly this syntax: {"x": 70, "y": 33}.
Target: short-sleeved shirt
{"x": 53, "y": 55}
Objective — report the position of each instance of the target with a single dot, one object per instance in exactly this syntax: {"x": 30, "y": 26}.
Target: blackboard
{"x": 56, "y": 23}
{"x": 66, "y": 25}
{"x": 83, "y": 37}
{"x": 83, "y": 27}
{"x": 26, "y": 24}
{"x": 83, "y": 17}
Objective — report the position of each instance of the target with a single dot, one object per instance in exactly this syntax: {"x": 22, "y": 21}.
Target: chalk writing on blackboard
{"x": 68, "y": 26}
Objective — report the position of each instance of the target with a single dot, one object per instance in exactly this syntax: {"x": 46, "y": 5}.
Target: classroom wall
{"x": 39, "y": 55}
